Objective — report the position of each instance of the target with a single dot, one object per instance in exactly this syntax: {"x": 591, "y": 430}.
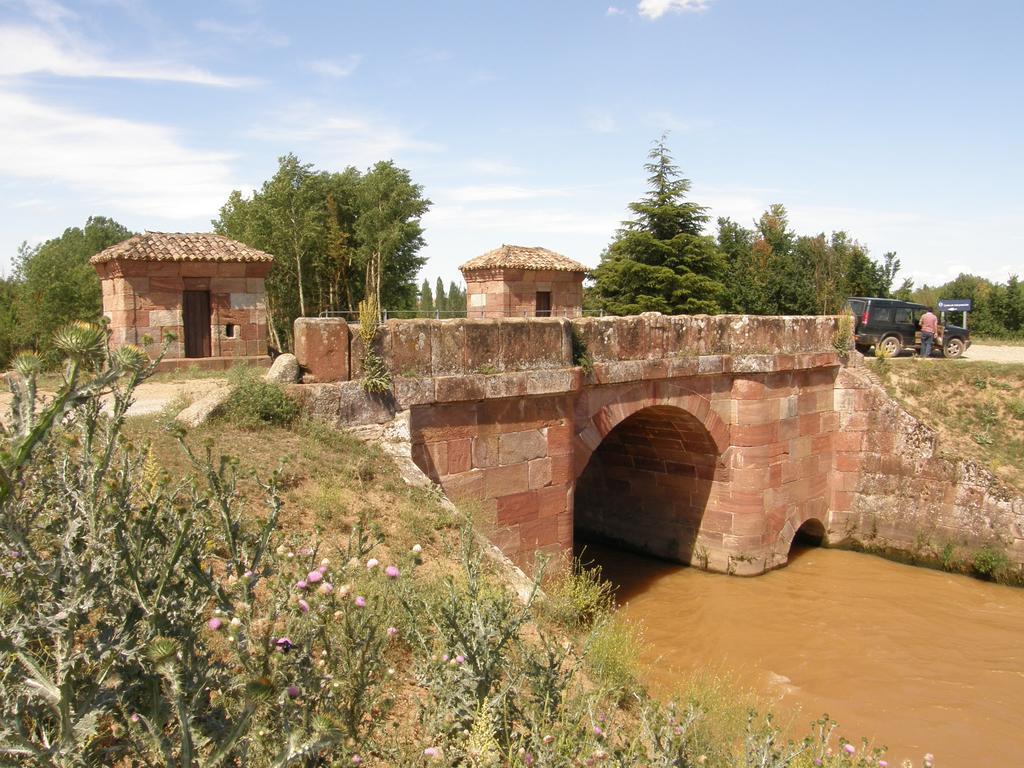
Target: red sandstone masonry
{"x": 735, "y": 451}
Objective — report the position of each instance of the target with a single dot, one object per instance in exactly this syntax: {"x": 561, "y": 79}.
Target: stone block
{"x": 410, "y": 347}
{"x": 322, "y": 348}
{"x": 505, "y": 481}
{"x": 515, "y": 447}
{"x": 462, "y": 388}
{"x": 517, "y": 508}
{"x": 483, "y": 346}
{"x": 540, "y": 472}
{"x": 448, "y": 347}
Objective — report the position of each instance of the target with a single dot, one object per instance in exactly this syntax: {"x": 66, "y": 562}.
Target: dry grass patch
{"x": 977, "y": 408}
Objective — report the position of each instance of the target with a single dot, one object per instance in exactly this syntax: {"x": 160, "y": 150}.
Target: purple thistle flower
{"x": 849, "y": 749}
{"x": 357, "y": 760}
{"x": 284, "y": 644}
{"x": 214, "y": 624}
{"x": 460, "y": 659}
{"x": 598, "y": 731}
{"x": 314, "y": 577}
{"x": 360, "y": 602}
{"x": 326, "y": 588}
{"x": 883, "y": 764}
{"x": 248, "y": 574}
{"x": 433, "y": 753}
{"x": 301, "y": 584}
{"x": 392, "y": 631}
{"x": 391, "y": 572}
{"x": 293, "y": 691}
{"x": 135, "y": 717}
{"x": 303, "y": 606}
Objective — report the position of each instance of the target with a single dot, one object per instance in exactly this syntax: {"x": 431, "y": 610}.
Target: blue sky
{"x": 528, "y": 122}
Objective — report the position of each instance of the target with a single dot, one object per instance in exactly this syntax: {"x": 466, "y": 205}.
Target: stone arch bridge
{"x": 709, "y": 440}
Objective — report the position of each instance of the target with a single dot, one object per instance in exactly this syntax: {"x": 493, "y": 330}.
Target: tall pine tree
{"x": 660, "y": 260}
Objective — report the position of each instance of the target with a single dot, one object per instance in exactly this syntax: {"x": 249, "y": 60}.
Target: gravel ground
{"x": 150, "y": 397}
{"x": 995, "y": 353}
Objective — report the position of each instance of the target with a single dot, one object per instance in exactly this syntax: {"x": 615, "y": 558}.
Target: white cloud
{"x": 473, "y": 194}
{"x": 515, "y": 224}
{"x": 614, "y": 11}
{"x": 135, "y": 167}
{"x": 337, "y": 140}
{"x": 337, "y": 69}
{"x": 29, "y": 50}
{"x": 655, "y": 9}
{"x": 251, "y": 32}
{"x": 602, "y": 122}
{"x": 494, "y": 168}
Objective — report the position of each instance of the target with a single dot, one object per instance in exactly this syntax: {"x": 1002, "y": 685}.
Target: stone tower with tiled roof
{"x": 206, "y": 290}
{"x": 516, "y": 281}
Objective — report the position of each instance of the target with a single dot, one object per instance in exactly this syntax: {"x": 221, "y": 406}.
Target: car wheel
{"x": 892, "y": 345}
{"x": 953, "y": 348}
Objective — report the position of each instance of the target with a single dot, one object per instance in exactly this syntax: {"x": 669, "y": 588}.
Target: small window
{"x": 904, "y": 316}
{"x": 881, "y": 314}
{"x": 229, "y": 330}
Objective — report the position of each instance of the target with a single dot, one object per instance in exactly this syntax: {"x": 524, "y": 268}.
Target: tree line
{"x": 661, "y": 260}
{"x": 339, "y": 237}
{"x": 436, "y": 302}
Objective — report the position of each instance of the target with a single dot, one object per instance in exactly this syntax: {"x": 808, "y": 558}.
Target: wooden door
{"x": 196, "y": 310}
{"x": 543, "y": 303}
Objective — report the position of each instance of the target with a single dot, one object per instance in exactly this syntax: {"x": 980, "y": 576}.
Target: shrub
{"x": 611, "y": 651}
{"x": 991, "y": 562}
{"x": 255, "y": 402}
{"x": 579, "y": 597}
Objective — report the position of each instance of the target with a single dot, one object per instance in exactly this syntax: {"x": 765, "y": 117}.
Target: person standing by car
{"x": 929, "y": 327}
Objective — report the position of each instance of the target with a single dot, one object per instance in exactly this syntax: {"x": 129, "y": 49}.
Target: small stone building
{"x": 205, "y": 289}
{"x": 515, "y": 281}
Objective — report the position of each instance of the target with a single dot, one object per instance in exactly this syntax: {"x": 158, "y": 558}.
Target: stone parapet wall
{"x": 619, "y": 348}
{"x": 896, "y": 492}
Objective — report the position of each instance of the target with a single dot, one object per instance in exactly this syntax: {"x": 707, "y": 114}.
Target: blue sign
{"x": 955, "y": 305}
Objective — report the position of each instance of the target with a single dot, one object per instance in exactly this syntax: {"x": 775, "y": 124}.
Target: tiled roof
{"x": 520, "y": 257}
{"x": 180, "y": 246}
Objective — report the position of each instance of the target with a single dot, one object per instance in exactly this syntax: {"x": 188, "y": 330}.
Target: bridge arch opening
{"x": 646, "y": 486}
{"x": 810, "y": 535}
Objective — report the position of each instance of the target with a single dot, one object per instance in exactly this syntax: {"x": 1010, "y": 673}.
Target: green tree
{"x": 8, "y": 321}
{"x": 56, "y": 282}
{"x": 426, "y": 303}
{"x": 660, "y": 260}
{"x": 440, "y": 299}
{"x": 389, "y": 233}
{"x": 456, "y": 298}
{"x": 323, "y": 230}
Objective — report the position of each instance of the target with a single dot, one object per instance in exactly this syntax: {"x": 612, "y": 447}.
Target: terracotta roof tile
{"x": 521, "y": 257}
{"x": 179, "y": 246}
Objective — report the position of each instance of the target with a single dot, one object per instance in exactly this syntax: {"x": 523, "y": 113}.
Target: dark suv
{"x": 895, "y": 325}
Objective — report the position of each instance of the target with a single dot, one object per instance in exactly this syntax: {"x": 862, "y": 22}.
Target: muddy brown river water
{"x": 919, "y": 660}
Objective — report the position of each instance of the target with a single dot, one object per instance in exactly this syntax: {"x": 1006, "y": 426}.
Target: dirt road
{"x": 151, "y": 396}
{"x": 993, "y": 353}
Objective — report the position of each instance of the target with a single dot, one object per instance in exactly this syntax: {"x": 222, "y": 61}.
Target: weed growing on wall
{"x": 842, "y": 337}
{"x": 376, "y": 376}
